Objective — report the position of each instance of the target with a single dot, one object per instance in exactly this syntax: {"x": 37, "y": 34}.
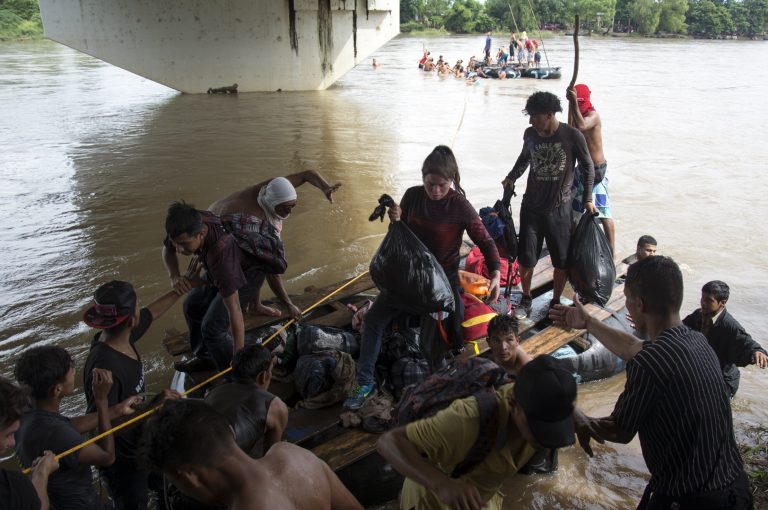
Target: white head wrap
{"x": 278, "y": 191}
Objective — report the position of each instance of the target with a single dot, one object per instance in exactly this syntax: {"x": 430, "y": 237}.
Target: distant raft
{"x": 540, "y": 73}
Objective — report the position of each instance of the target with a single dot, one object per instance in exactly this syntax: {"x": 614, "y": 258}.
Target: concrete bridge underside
{"x": 194, "y": 45}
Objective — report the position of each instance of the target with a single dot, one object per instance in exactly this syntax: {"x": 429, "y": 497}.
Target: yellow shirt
{"x": 447, "y": 438}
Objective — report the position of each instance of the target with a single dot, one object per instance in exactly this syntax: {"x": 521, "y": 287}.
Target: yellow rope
{"x": 198, "y": 386}
{"x": 461, "y": 119}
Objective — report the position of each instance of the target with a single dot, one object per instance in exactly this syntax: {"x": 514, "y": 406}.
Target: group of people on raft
{"x": 523, "y": 54}
{"x": 676, "y": 398}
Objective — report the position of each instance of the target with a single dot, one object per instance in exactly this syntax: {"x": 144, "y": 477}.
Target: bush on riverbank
{"x": 755, "y": 456}
{"x": 20, "y": 19}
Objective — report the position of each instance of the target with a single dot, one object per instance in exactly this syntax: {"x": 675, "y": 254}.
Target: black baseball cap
{"x": 546, "y": 392}
{"x": 113, "y": 302}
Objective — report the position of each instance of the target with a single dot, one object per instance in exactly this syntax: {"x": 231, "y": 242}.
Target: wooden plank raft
{"x": 334, "y": 312}
{"x": 178, "y": 343}
{"x": 355, "y": 444}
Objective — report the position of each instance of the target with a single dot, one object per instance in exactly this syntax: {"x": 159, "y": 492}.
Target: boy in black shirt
{"x": 49, "y": 372}
{"x": 122, "y": 323}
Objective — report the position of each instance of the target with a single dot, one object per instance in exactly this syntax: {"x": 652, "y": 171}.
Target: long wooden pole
{"x": 571, "y": 112}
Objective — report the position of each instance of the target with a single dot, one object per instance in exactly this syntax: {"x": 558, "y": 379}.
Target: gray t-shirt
{"x": 552, "y": 162}
{"x": 71, "y": 486}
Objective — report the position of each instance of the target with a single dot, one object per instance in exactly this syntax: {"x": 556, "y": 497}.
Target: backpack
{"x": 478, "y": 377}
{"x": 475, "y": 263}
{"x": 407, "y": 371}
{"x": 508, "y": 241}
{"x": 477, "y": 315}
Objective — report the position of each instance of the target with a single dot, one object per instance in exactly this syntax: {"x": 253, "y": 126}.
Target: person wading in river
{"x": 551, "y": 148}
{"x": 588, "y": 121}
{"x": 732, "y": 344}
{"x": 217, "y": 472}
{"x": 675, "y": 397}
{"x": 646, "y": 247}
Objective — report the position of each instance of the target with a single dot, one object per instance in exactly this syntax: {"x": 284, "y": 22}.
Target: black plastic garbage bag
{"x": 314, "y": 374}
{"x": 326, "y": 338}
{"x": 590, "y": 262}
{"x": 409, "y": 274}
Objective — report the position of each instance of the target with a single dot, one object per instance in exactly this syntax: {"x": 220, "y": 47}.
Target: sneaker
{"x": 525, "y": 307}
{"x": 358, "y": 396}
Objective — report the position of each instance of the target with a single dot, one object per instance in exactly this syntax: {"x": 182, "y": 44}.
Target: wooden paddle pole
{"x": 571, "y": 112}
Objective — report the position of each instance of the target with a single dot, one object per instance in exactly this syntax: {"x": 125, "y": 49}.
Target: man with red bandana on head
{"x": 587, "y": 120}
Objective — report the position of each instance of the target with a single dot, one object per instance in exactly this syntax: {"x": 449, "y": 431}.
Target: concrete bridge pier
{"x": 194, "y": 45}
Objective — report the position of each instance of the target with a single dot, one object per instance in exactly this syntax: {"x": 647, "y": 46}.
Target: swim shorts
{"x": 535, "y": 227}
{"x": 599, "y": 194}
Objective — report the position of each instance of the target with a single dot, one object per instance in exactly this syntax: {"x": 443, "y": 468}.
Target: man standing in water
{"x": 646, "y": 247}
{"x": 587, "y": 120}
{"x": 488, "y": 48}
{"x": 551, "y": 148}
{"x": 675, "y": 397}
{"x": 732, "y": 344}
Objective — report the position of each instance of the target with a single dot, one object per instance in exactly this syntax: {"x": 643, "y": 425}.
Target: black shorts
{"x": 535, "y": 227}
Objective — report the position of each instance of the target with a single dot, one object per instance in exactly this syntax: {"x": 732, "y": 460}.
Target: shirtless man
{"x": 587, "y": 120}
{"x": 505, "y": 344}
{"x": 273, "y": 201}
{"x": 217, "y": 472}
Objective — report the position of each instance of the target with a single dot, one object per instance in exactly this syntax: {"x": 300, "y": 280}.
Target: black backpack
{"x": 478, "y": 377}
{"x": 508, "y": 240}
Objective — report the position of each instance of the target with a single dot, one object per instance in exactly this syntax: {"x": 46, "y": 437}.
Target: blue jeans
{"x": 208, "y": 320}
{"x": 381, "y": 314}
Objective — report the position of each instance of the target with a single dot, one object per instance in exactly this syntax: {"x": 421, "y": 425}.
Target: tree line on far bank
{"x": 19, "y": 19}
{"x": 699, "y": 18}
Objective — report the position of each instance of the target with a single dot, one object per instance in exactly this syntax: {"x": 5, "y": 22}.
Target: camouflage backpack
{"x": 478, "y": 377}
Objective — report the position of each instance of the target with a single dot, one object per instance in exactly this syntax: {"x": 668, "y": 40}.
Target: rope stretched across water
{"x": 143, "y": 415}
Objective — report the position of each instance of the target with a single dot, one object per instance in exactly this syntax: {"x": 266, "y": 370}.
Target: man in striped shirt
{"x": 675, "y": 398}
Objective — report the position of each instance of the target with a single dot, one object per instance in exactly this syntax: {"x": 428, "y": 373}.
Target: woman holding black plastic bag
{"x": 438, "y": 213}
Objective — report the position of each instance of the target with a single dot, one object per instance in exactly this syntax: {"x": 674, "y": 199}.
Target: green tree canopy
{"x": 708, "y": 19}
{"x": 672, "y": 17}
{"x": 647, "y": 14}
{"x": 749, "y": 16}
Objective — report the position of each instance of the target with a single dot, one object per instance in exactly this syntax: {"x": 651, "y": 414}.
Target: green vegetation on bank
{"x": 20, "y": 19}
{"x": 699, "y": 18}
{"x": 755, "y": 456}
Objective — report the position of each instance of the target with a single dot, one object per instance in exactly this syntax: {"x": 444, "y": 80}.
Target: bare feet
{"x": 260, "y": 309}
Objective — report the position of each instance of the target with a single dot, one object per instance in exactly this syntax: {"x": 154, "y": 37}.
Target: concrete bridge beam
{"x": 194, "y": 45}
